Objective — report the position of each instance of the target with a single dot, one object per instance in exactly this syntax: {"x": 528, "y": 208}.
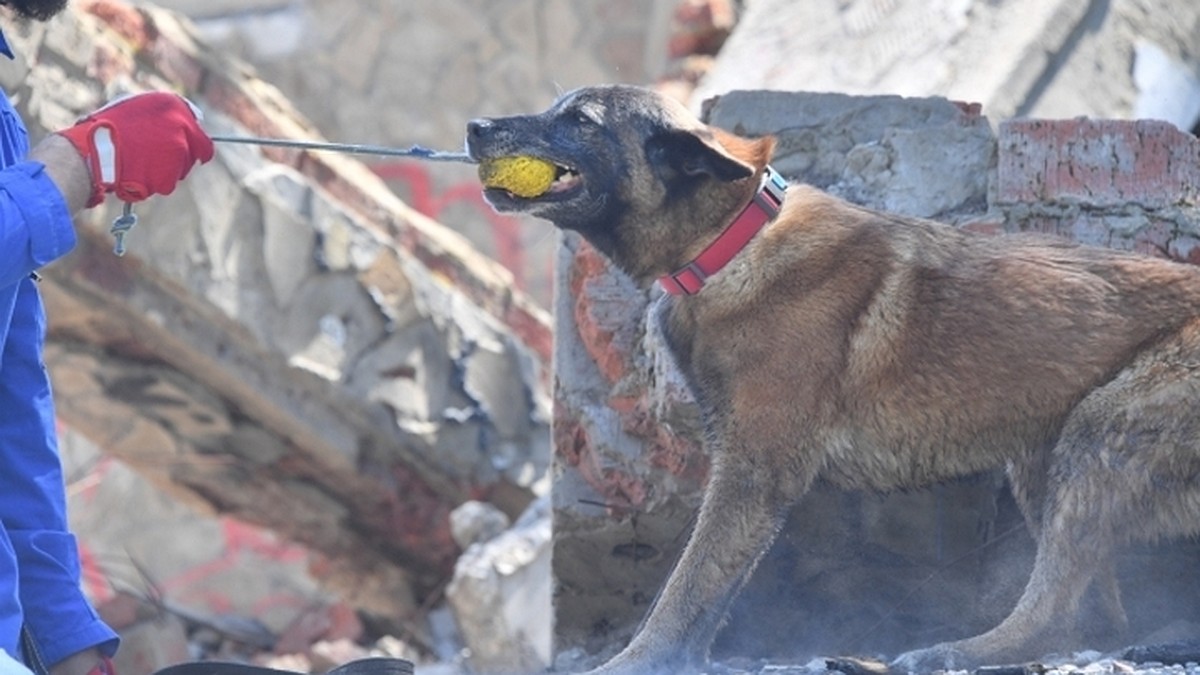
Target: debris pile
{"x": 290, "y": 346}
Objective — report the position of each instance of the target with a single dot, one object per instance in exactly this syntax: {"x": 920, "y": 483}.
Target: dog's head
{"x": 637, "y": 175}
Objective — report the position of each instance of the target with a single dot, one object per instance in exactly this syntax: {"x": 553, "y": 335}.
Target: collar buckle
{"x": 687, "y": 280}
{"x": 771, "y": 192}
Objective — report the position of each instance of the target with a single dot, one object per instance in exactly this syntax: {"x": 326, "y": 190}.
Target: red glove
{"x": 140, "y": 145}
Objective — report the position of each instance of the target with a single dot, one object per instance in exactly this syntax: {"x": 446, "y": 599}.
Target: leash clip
{"x": 121, "y": 227}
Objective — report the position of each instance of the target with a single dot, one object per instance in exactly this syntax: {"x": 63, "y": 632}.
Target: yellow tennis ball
{"x": 521, "y": 175}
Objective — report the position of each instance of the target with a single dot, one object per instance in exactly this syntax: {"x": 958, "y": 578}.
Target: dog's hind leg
{"x": 1126, "y": 467}
{"x": 1108, "y": 589}
{"x": 1028, "y": 478}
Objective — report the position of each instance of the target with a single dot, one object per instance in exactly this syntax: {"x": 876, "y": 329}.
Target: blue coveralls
{"x": 39, "y": 561}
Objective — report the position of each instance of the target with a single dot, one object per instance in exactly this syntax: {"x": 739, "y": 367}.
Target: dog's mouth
{"x": 546, "y": 181}
{"x": 566, "y": 178}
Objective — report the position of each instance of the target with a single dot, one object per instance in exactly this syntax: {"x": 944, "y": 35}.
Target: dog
{"x": 875, "y": 352}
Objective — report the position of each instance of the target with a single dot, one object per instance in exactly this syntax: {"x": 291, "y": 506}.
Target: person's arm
{"x": 35, "y": 221}
{"x": 37, "y": 198}
{"x": 135, "y": 148}
{"x": 66, "y": 168}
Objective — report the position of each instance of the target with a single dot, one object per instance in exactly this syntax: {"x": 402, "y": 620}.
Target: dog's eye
{"x": 583, "y": 118}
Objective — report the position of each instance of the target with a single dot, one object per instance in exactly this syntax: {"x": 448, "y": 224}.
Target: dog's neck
{"x": 762, "y": 209}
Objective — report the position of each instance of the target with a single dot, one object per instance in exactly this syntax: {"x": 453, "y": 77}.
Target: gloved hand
{"x": 140, "y": 145}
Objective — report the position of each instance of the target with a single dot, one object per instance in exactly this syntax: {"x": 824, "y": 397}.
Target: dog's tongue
{"x": 521, "y": 175}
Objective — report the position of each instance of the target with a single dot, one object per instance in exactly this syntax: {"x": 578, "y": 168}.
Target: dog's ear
{"x": 677, "y": 154}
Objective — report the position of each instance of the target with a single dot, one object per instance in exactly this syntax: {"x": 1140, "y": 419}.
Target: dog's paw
{"x": 647, "y": 664}
{"x": 635, "y": 668}
{"x": 854, "y": 665}
{"x": 941, "y": 657}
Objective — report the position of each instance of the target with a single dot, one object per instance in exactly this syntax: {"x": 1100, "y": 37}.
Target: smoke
{"x": 878, "y": 575}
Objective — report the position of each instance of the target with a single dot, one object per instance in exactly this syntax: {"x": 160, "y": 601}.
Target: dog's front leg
{"x": 743, "y": 508}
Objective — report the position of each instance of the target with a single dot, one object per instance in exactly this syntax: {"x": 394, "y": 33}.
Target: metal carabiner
{"x": 121, "y": 227}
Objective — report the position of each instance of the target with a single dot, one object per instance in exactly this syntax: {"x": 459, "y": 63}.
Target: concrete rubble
{"x": 286, "y": 342}
{"x": 500, "y": 593}
{"x": 1020, "y": 58}
{"x": 884, "y": 152}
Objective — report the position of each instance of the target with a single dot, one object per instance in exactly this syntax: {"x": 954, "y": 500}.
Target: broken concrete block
{"x": 477, "y": 522}
{"x": 914, "y": 156}
{"x": 500, "y": 596}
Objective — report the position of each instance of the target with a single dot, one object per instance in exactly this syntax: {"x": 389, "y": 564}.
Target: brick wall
{"x": 851, "y": 572}
{"x": 1126, "y": 184}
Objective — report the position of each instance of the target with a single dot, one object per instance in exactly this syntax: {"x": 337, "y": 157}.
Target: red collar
{"x": 762, "y": 209}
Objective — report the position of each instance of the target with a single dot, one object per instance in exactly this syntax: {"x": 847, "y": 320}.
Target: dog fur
{"x": 880, "y": 352}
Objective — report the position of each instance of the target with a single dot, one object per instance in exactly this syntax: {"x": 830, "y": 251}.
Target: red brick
{"x": 1154, "y": 239}
{"x": 606, "y": 314}
{"x": 700, "y": 27}
{"x": 989, "y": 224}
{"x": 110, "y": 63}
{"x": 619, "y": 488}
{"x": 622, "y": 489}
{"x": 1185, "y": 248}
{"x": 179, "y": 63}
{"x": 971, "y": 110}
{"x": 1144, "y": 233}
{"x": 571, "y": 440}
{"x": 1103, "y": 163}
{"x": 126, "y": 20}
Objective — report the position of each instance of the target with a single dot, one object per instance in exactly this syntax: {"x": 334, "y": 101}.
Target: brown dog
{"x": 876, "y": 352}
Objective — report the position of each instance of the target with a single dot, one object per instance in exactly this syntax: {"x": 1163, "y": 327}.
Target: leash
{"x": 415, "y": 151}
{"x": 125, "y": 222}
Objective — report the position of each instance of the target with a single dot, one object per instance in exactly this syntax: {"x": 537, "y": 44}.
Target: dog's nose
{"x": 479, "y": 128}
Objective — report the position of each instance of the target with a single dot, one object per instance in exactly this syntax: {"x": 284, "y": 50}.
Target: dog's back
{"x": 941, "y": 351}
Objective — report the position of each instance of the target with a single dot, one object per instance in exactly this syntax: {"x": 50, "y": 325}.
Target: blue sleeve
{"x": 33, "y": 494}
{"x": 36, "y": 229}
{"x": 35, "y": 226}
